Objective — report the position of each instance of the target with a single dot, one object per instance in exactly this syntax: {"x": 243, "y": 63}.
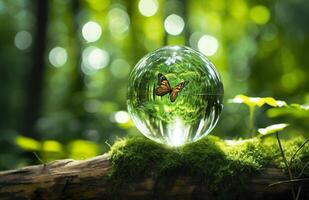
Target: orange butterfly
{"x": 164, "y": 87}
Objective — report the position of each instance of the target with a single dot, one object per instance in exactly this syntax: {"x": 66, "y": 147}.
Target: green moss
{"x": 216, "y": 162}
{"x": 133, "y": 157}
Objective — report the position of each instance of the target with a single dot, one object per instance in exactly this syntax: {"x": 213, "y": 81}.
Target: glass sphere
{"x": 175, "y": 95}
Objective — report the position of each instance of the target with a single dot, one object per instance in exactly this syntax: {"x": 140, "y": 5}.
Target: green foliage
{"x": 52, "y": 149}
{"x": 52, "y": 146}
{"x": 82, "y": 149}
{"x": 27, "y": 143}
{"x": 217, "y": 162}
{"x": 295, "y": 110}
{"x": 261, "y": 51}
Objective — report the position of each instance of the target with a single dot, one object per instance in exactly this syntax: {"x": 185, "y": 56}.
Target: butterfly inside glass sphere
{"x": 164, "y": 87}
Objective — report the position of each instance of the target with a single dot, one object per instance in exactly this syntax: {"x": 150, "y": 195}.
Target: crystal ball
{"x": 175, "y": 95}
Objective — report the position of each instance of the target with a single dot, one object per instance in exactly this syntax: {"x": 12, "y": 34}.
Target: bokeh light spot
{"x": 194, "y": 38}
{"x": 98, "y": 5}
{"x": 120, "y": 68}
{"x": 239, "y": 10}
{"x": 92, "y": 105}
{"x": 291, "y": 80}
{"x": 260, "y": 14}
{"x": 94, "y": 59}
{"x": 91, "y": 31}
{"x": 118, "y": 21}
{"x": 23, "y": 40}
{"x": 208, "y": 45}
{"x": 148, "y": 8}
{"x": 174, "y": 24}
{"x": 121, "y": 117}
{"x": 58, "y": 56}
{"x": 92, "y": 134}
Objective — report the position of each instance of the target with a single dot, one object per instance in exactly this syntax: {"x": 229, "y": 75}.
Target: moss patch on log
{"x": 223, "y": 165}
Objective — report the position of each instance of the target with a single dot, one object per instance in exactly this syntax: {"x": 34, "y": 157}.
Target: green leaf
{"x": 27, "y": 143}
{"x": 273, "y": 102}
{"x": 82, "y": 149}
{"x": 249, "y": 101}
{"x": 300, "y": 107}
{"x": 52, "y": 146}
{"x": 272, "y": 129}
{"x": 257, "y": 101}
{"x": 295, "y": 110}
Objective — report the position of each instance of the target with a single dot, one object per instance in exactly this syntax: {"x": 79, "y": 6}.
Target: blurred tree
{"x": 36, "y": 74}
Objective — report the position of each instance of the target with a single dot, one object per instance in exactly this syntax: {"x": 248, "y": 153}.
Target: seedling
{"x": 253, "y": 102}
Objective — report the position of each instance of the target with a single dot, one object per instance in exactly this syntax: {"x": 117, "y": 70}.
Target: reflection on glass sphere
{"x": 175, "y": 95}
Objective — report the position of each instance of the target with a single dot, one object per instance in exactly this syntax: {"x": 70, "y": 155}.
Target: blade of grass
{"x": 286, "y": 164}
{"x": 300, "y": 147}
{"x": 39, "y": 159}
{"x": 251, "y": 120}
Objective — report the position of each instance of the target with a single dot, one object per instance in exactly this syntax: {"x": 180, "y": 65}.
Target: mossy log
{"x": 141, "y": 169}
{"x": 89, "y": 179}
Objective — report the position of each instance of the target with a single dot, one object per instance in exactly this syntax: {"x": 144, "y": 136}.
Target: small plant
{"x": 253, "y": 102}
{"x": 276, "y": 128}
{"x": 279, "y": 108}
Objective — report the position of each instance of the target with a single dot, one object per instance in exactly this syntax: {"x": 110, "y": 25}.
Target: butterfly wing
{"x": 163, "y": 85}
{"x": 177, "y": 89}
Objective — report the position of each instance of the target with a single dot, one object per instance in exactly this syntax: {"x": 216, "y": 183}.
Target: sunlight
{"x": 58, "y": 56}
{"x": 178, "y": 133}
{"x": 237, "y": 141}
{"x": 148, "y": 8}
{"x": 255, "y": 99}
{"x": 208, "y": 45}
{"x": 91, "y": 31}
{"x": 174, "y": 24}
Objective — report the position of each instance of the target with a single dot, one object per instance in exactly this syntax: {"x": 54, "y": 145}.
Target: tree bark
{"x": 89, "y": 179}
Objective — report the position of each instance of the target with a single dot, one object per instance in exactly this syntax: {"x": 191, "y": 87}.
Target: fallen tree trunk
{"x": 89, "y": 179}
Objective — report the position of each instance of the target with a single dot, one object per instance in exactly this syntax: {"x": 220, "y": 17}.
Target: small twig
{"x": 300, "y": 147}
{"x": 298, "y": 192}
{"x": 37, "y": 157}
{"x": 303, "y": 170}
{"x": 288, "y": 181}
{"x": 251, "y": 120}
{"x": 110, "y": 146}
{"x": 286, "y": 163}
